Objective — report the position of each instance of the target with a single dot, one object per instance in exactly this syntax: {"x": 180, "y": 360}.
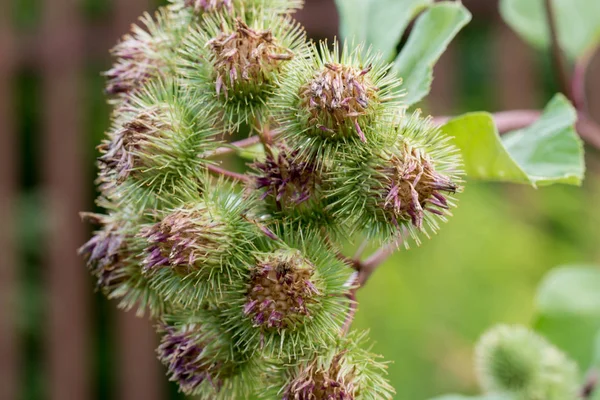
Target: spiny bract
{"x": 243, "y": 270}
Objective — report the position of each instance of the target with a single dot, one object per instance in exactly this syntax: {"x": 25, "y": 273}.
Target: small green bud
{"x": 514, "y": 360}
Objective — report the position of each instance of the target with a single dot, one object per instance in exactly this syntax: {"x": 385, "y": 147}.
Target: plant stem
{"x": 351, "y": 310}
{"x": 578, "y": 82}
{"x": 233, "y": 147}
{"x": 230, "y": 174}
{"x": 560, "y": 62}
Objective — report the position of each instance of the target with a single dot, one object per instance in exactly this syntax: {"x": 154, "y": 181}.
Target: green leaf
{"x": 547, "y": 152}
{"x": 432, "y": 33}
{"x": 577, "y": 21}
{"x": 568, "y": 304}
{"x": 596, "y": 359}
{"x": 484, "y": 397}
{"x": 379, "y": 23}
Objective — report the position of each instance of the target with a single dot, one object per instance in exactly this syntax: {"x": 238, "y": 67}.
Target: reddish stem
{"x": 229, "y": 174}
{"x": 560, "y": 62}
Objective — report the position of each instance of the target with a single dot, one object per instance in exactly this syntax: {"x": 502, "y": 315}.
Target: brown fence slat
{"x": 516, "y": 84}
{"x": 140, "y": 375}
{"x": 9, "y": 343}
{"x": 65, "y": 187}
{"x": 443, "y": 97}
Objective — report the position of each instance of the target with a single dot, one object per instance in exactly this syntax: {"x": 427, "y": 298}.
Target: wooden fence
{"x": 57, "y": 52}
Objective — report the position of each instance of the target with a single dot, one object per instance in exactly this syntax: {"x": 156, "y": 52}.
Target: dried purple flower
{"x": 314, "y": 382}
{"x": 126, "y": 150}
{"x": 105, "y": 251}
{"x": 286, "y": 179}
{"x": 209, "y": 5}
{"x": 280, "y": 290}
{"x": 413, "y": 186}
{"x": 186, "y": 240}
{"x": 338, "y": 94}
{"x": 141, "y": 55}
{"x": 246, "y": 56}
{"x": 193, "y": 357}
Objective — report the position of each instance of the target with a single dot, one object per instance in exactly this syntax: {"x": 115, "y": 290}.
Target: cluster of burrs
{"x": 242, "y": 269}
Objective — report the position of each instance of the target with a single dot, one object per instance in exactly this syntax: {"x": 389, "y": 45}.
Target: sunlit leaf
{"x": 568, "y": 304}
{"x": 433, "y": 31}
{"x": 577, "y": 21}
{"x": 547, "y": 152}
{"x": 379, "y": 23}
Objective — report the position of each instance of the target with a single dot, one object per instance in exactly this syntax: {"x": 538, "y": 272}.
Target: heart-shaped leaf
{"x": 433, "y": 31}
{"x": 547, "y": 152}
{"x": 577, "y": 23}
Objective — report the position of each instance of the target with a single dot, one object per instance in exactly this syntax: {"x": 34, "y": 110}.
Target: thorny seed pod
{"x": 112, "y": 256}
{"x": 291, "y": 298}
{"x": 199, "y": 357}
{"x": 157, "y": 135}
{"x": 515, "y": 361}
{"x": 236, "y": 63}
{"x": 105, "y": 251}
{"x": 146, "y": 53}
{"x": 197, "y": 248}
{"x": 344, "y": 371}
{"x": 281, "y": 290}
{"x": 332, "y": 101}
{"x": 403, "y": 190}
{"x": 285, "y": 181}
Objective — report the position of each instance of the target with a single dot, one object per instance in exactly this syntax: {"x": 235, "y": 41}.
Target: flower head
{"x": 403, "y": 190}
{"x": 187, "y": 239}
{"x": 333, "y": 101}
{"x": 337, "y": 96}
{"x": 145, "y": 53}
{"x": 112, "y": 255}
{"x": 412, "y": 186}
{"x": 280, "y": 290}
{"x": 344, "y": 371}
{"x": 201, "y": 358}
{"x": 157, "y": 134}
{"x": 284, "y": 178}
{"x": 130, "y": 148}
{"x": 209, "y": 5}
{"x": 292, "y": 296}
{"x": 237, "y": 62}
{"x": 105, "y": 252}
{"x": 191, "y": 357}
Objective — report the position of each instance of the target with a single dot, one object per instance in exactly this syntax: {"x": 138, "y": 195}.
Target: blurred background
{"x": 425, "y": 308}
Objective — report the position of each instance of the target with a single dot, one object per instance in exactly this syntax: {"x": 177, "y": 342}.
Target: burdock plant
{"x": 243, "y": 272}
